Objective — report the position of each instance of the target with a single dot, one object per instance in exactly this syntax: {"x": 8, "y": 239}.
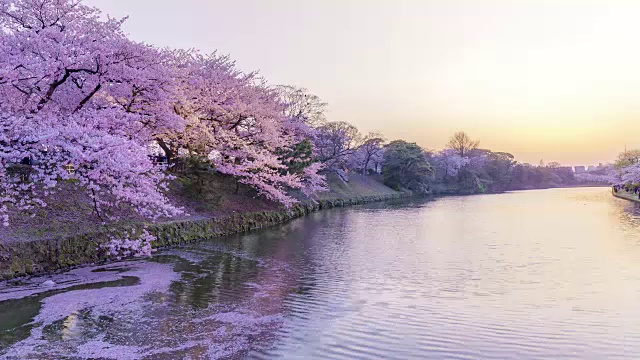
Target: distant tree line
{"x": 464, "y": 168}
{"x": 461, "y": 168}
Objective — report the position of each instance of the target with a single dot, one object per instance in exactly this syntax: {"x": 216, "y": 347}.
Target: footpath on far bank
{"x": 58, "y": 252}
{"x": 623, "y": 194}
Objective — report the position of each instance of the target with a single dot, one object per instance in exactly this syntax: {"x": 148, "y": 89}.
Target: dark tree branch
{"x": 88, "y": 97}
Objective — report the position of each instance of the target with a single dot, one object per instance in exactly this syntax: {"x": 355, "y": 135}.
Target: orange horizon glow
{"x": 552, "y": 80}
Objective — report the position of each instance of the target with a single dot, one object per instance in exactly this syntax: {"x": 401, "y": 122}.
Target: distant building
{"x": 580, "y": 169}
{"x": 592, "y": 168}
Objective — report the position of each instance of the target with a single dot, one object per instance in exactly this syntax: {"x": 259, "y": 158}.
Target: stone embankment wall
{"x": 47, "y": 256}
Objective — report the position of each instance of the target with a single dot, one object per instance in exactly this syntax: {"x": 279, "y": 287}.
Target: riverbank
{"x": 50, "y": 249}
{"x": 626, "y": 195}
{"x": 67, "y": 234}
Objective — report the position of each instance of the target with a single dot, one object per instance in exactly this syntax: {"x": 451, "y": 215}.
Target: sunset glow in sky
{"x": 553, "y": 80}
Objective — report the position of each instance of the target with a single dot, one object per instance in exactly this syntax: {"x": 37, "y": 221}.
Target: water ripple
{"x": 527, "y": 275}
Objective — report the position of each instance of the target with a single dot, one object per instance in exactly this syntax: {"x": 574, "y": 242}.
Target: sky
{"x": 551, "y": 80}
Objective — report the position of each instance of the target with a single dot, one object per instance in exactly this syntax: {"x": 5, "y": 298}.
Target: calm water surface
{"x": 537, "y": 274}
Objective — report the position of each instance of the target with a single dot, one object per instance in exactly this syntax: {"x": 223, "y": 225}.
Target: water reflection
{"x": 16, "y": 315}
{"x": 224, "y": 296}
{"x": 532, "y": 274}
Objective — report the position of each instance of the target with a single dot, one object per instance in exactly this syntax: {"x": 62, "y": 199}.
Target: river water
{"x": 532, "y": 274}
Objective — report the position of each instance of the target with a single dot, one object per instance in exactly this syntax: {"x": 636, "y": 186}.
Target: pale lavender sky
{"x": 553, "y": 80}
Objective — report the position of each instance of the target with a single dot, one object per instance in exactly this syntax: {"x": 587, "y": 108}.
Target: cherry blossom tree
{"x": 625, "y": 170}
{"x": 76, "y": 93}
{"x": 335, "y": 142}
{"x": 628, "y": 158}
{"x": 301, "y": 104}
{"x": 609, "y": 177}
{"x": 239, "y": 124}
{"x": 450, "y": 162}
{"x": 82, "y": 102}
{"x": 369, "y": 155}
{"x": 313, "y": 181}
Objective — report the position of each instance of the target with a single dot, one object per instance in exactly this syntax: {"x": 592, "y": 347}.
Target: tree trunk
{"x": 167, "y": 150}
{"x": 366, "y": 165}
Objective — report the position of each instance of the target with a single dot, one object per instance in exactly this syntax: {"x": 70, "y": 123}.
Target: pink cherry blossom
{"x": 83, "y": 103}
{"x": 77, "y": 94}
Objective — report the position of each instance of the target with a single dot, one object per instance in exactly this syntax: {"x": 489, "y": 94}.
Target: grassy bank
{"x": 66, "y": 235}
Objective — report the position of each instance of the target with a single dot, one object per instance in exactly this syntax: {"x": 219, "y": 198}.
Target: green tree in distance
{"x": 405, "y": 166}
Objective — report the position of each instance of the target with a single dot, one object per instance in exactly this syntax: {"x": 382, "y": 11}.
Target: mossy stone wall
{"x": 47, "y": 256}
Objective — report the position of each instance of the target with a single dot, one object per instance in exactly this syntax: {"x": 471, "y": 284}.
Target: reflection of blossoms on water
{"x": 397, "y": 280}
{"x": 200, "y": 303}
